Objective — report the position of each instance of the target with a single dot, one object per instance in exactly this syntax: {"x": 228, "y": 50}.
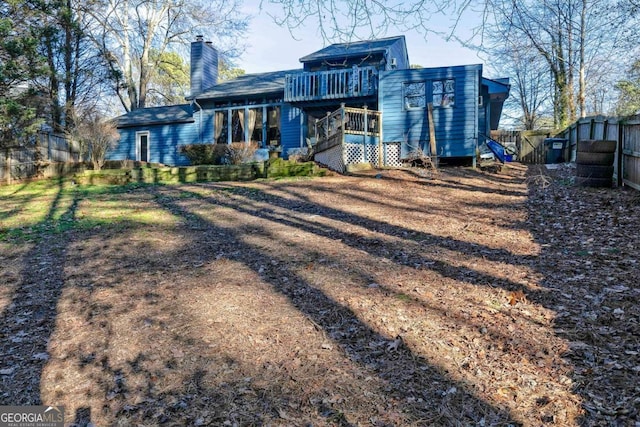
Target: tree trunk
{"x": 144, "y": 77}
{"x": 54, "y": 85}
{"x": 582, "y": 84}
{"x": 69, "y": 68}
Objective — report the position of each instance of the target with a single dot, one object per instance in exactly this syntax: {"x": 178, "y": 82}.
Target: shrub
{"x": 94, "y": 135}
{"x": 205, "y": 154}
{"x": 240, "y": 152}
{"x": 302, "y": 154}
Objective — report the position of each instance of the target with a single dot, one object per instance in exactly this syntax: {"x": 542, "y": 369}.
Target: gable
{"x": 387, "y": 48}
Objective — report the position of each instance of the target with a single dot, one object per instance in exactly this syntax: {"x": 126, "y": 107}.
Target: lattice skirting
{"x": 392, "y": 154}
{"x": 332, "y": 158}
{"x": 353, "y": 153}
{"x": 337, "y": 158}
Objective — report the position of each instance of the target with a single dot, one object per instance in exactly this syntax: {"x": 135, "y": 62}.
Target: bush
{"x": 302, "y": 154}
{"x": 219, "y": 154}
{"x": 95, "y": 137}
{"x": 205, "y": 154}
{"x": 240, "y": 152}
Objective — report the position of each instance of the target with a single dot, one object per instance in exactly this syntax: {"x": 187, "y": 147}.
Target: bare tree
{"x": 577, "y": 39}
{"x": 134, "y": 35}
{"x": 529, "y": 103}
{"x": 583, "y": 43}
{"x": 95, "y": 136}
{"x": 344, "y": 20}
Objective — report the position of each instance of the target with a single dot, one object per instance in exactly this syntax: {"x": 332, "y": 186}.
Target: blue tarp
{"x": 496, "y": 149}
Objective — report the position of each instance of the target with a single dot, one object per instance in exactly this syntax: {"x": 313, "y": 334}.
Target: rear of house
{"x": 354, "y": 102}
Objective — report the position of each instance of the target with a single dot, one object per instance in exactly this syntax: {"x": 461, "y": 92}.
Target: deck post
{"x": 355, "y": 84}
{"x": 366, "y": 132}
{"x": 381, "y": 147}
{"x": 432, "y": 136}
{"x": 326, "y": 126}
{"x": 342, "y": 124}
{"x": 229, "y": 126}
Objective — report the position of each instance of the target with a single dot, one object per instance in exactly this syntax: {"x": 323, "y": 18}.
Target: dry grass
{"x": 382, "y": 299}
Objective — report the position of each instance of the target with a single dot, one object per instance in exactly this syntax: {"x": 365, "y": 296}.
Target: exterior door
{"x": 142, "y": 146}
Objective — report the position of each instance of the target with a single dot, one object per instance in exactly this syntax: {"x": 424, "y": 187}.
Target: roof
{"x": 498, "y": 92}
{"x": 339, "y": 50}
{"x": 497, "y": 86}
{"x": 247, "y": 85}
{"x": 156, "y": 116}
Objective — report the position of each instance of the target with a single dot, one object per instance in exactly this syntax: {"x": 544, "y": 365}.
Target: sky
{"x": 272, "y": 48}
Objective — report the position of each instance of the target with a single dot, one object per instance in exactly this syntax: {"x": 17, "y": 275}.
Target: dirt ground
{"x": 390, "y": 298}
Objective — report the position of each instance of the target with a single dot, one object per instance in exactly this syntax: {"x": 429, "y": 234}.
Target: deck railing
{"x": 331, "y": 84}
{"x": 330, "y": 130}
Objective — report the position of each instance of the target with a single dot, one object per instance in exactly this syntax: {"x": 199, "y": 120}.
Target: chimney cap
{"x": 199, "y": 38}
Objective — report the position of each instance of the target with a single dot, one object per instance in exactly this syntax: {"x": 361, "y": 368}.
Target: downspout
{"x": 199, "y": 121}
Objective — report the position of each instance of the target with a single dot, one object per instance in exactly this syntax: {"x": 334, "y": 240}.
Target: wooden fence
{"x": 626, "y": 131}
{"x": 45, "y": 155}
{"x": 529, "y": 144}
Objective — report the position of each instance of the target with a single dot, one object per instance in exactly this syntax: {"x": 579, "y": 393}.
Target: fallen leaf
{"x": 516, "y": 297}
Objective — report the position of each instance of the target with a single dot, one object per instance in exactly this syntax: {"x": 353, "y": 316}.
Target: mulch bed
{"x": 385, "y": 298}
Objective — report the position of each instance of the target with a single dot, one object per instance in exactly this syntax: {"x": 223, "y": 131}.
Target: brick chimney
{"x": 204, "y": 66}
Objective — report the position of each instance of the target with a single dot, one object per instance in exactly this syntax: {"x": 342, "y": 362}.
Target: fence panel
{"x": 39, "y": 157}
{"x": 631, "y": 154}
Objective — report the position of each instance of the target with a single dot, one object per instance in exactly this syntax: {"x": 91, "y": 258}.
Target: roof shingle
{"x": 339, "y": 50}
{"x": 157, "y": 115}
{"x": 247, "y": 85}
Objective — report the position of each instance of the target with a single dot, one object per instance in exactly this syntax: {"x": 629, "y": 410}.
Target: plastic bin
{"x": 554, "y": 149}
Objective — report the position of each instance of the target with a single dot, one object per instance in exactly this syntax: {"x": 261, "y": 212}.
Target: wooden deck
{"x": 331, "y": 130}
{"x": 355, "y": 82}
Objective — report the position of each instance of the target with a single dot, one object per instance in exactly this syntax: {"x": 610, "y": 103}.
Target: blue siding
{"x": 290, "y": 128}
{"x": 484, "y": 114}
{"x": 125, "y": 148}
{"x": 456, "y": 127}
{"x": 164, "y": 143}
{"x": 204, "y": 124}
{"x": 204, "y": 67}
{"x": 398, "y": 51}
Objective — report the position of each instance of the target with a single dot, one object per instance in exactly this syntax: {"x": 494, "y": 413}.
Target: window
{"x": 142, "y": 146}
{"x": 237, "y": 125}
{"x": 220, "y": 127}
{"x": 255, "y": 125}
{"x": 414, "y": 95}
{"x": 273, "y": 126}
{"x": 260, "y": 125}
{"x": 443, "y": 93}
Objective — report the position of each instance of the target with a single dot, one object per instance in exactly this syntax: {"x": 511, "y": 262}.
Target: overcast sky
{"x": 272, "y": 48}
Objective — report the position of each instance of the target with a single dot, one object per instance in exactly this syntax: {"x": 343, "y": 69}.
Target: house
{"x": 353, "y": 102}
